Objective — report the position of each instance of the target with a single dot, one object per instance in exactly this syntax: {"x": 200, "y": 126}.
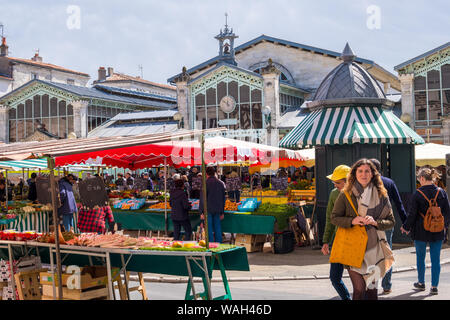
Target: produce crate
{"x": 251, "y": 242}
{"x": 93, "y": 281}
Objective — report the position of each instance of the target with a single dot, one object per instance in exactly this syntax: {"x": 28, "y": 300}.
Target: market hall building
{"x": 250, "y": 87}
{"x": 425, "y": 87}
{"x": 66, "y": 110}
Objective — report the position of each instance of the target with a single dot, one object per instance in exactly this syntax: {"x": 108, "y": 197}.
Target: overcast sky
{"x": 165, "y": 35}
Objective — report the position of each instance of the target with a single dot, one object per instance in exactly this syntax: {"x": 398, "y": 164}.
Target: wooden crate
{"x": 28, "y": 286}
{"x": 251, "y": 242}
{"x": 298, "y": 195}
{"x": 91, "y": 276}
{"x": 2, "y": 284}
{"x": 76, "y": 294}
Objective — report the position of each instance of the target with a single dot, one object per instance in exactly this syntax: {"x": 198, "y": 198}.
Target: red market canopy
{"x": 182, "y": 153}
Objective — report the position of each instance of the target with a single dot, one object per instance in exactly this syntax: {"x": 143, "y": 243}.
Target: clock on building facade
{"x": 227, "y": 104}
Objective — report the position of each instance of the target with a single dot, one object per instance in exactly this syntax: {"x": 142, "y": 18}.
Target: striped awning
{"x": 27, "y": 164}
{"x": 41, "y": 164}
{"x": 348, "y": 125}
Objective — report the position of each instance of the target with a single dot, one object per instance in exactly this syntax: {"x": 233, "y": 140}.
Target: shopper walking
{"x": 370, "y": 199}
{"x": 68, "y": 204}
{"x": 338, "y": 177}
{"x": 32, "y": 193}
{"x": 427, "y": 195}
{"x": 394, "y": 198}
{"x": 233, "y": 184}
{"x": 215, "y": 202}
{"x": 180, "y": 211}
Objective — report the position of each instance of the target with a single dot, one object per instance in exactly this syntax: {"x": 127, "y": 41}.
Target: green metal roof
{"x": 348, "y": 125}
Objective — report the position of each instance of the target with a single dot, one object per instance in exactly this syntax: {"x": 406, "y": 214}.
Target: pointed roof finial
{"x": 348, "y": 55}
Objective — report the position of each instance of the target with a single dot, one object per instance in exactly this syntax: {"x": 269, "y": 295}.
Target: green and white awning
{"x": 348, "y": 125}
{"x": 34, "y": 164}
{"x": 27, "y": 164}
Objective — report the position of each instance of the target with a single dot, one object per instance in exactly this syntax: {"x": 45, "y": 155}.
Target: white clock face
{"x": 227, "y": 104}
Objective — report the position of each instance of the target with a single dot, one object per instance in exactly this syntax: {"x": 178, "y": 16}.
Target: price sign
{"x": 140, "y": 184}
{"x": 43, "y": 190}
{"x": 93, "y": 192}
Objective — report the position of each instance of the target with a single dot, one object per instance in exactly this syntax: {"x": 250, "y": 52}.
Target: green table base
{"x": 232, "y": 223}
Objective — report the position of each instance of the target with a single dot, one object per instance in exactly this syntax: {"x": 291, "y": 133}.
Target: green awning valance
{"x": 348, "y": 125}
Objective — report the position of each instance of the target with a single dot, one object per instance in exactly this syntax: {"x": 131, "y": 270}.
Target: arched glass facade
{"x": 243, "y": 89}
{"x": 55, "y": 114}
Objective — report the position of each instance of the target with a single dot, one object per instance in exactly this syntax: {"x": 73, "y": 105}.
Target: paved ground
{"x": 302, "y": 264}
{"x": 317, "y": 289}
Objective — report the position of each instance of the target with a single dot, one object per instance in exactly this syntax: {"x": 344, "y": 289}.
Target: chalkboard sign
{"x": 140, "y": 184}
{"x": 279, "y": 183}
{"x": 43, "y": 190}
{"x": 93, "y": 192}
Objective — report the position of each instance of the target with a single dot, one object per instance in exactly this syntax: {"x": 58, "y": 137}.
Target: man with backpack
{"x": 428, "y": 217}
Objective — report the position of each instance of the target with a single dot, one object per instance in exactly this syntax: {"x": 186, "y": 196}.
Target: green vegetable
{"x": 281, "y": 212}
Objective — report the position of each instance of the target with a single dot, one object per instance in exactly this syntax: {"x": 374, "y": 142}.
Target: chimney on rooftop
{"x": 37, "y": 57}
{"x": 101, "y": 74}
{"x": 4, "y": 48}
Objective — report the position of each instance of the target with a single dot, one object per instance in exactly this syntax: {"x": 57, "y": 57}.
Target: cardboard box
{"x": 251, "y": 242}
{"x": 91, "y": 276}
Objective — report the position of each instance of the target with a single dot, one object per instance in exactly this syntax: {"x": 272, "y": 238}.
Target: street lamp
{"x": 266, "y": 111}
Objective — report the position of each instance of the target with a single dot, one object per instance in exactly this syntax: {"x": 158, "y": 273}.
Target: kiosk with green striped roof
{"x": 350, "y": 118}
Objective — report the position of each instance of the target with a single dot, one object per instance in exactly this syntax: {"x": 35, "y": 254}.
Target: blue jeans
{"x": 386, "y": 282}
{"x": 67, "y": 221}
{"x": 214, "y": 227}
{"x": 336, "y": 271}
{"x": 435, "y": 256}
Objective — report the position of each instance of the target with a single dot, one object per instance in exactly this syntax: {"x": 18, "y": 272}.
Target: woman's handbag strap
{"x": 351, "y": 202}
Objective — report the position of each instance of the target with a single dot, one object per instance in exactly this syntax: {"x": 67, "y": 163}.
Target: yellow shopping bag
{"x": 349, "y": 245}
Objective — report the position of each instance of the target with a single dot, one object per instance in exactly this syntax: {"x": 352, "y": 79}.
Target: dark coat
{"x": 418, "y": 204}
{"x": 215, "y": 196}
{"x": 180, "y": 205}
{"x": 32, "y": 192}
{"x": 130, "y": 181}
{"x": 150, "y": 184}
{"x": 3, "y": 194}
{"x": 394, "y": 197}
{"x": 68, "y": 203}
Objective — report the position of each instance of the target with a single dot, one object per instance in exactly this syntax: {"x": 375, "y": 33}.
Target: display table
{"x": 182, "y": 263}
{"x": 232, "y": 223}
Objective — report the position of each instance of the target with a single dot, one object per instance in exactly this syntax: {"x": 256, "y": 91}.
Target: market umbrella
{"x": 182, "y": 153}
{"x": 431, "y": 154}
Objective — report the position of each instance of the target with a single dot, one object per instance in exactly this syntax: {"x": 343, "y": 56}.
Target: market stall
{"x": 123, "y": 253}
{"x": 154, "y": 247}
{"x": 218, "y": 150}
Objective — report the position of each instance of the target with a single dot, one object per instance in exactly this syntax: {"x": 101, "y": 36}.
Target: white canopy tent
{"x": 431, "y": 154}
